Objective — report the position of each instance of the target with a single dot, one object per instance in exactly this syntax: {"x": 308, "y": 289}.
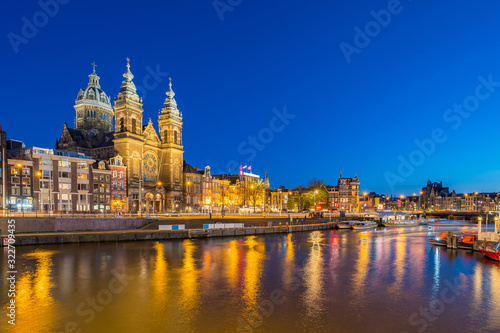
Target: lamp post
{"x": 315, "y": 191}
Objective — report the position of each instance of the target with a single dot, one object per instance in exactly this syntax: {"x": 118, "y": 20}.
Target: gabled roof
{"x": 187, "y": 168}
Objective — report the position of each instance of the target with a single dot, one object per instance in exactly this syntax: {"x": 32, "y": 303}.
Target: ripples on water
{"x": 377, "y": 281}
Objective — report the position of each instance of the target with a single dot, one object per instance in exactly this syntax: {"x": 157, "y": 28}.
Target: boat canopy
{"x": 497, "y": 246}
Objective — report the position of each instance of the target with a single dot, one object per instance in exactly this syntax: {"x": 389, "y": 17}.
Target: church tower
{"x": 170, "y": 127}
{"x": 128, "y": 137}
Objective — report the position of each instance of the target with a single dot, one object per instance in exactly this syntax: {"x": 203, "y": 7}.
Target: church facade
{"x": 154, "y": 161}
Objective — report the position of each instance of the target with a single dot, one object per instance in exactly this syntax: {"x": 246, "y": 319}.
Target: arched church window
{"x": 134, "y": 124}
{"x": 165, "y": 135}
{"x": 175, "y": 136}
{"x": 122, "y": 125}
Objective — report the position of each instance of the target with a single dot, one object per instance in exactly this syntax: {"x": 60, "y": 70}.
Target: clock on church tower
{"x": 150, "y": 162}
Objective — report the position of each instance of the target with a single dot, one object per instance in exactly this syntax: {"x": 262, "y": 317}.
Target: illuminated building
{"x": 345, "y": 196}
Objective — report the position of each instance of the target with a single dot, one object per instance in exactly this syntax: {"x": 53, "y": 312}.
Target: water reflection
{"x": 232, "y": 264}
{"x": 189, "y": 297}
{"x": 361, "y": 267}
{"x": 253, "y": 270}
{"x": 159, "y": 279}
{"x": 36, "y": 309}
{"x": 289, "y": 263}
{"x": 313, "y": 275}
{"x": 399, "y": 266}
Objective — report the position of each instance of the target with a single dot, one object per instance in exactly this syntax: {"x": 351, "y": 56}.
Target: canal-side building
{"x": 192, "y": 196}
{"x": 278, "y": 199}
{"x": 101, "y": 187}
{"x": 61, "y": 179}
{"x": 119, "y": 201}
{"x": 19, "y": 173}
{"x": 345, "y": 195}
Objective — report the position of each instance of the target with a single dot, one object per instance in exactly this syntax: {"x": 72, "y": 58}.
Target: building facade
{"x": 345, "y": 195}
{"x": 119, "y": 201}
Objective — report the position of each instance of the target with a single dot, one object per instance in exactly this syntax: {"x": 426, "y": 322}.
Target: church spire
{"x": 128, "y": 88}
{"x": 170, "y": 105}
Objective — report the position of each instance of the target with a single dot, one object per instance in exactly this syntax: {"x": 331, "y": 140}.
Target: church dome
{"x": 93, "y": 94}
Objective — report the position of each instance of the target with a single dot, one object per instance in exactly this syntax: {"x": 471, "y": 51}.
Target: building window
{"x": 16, "y": 191}
{"x": 26, "y": 191}
{"x": 26, "y": 172}
{"x": 122, "y": 125}
{"x": 82, "y": 176}
{"x": 15, "y": 180}
{"x": 65, "y": 163}
{"x": 26, "y": 181}
{"x": 134, "y": 124}
{"x": 63, "y": 186}
{"x": 45, "y": 160}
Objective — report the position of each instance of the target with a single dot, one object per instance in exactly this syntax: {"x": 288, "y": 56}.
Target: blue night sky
{"x": 361, "y": 116}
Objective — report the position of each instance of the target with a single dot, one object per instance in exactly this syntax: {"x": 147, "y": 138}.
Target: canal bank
{"x": 145, "y": 235}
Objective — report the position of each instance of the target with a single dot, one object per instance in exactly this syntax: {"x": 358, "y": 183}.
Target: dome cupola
{"x": 93, "y": 106}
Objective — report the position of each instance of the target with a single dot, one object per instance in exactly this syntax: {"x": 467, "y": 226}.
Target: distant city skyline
{"x": 365, "y": 85}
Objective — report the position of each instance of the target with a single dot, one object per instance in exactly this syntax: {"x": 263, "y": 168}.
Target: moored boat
{"x": 439, "y": 240}
{"x": 364, "y": 225}
{"x": 492, "y": 252}
{"x": 466, "y": 240}
{"x": 344, "y": 225}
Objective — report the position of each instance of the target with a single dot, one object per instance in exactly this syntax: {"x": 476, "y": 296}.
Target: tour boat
{"x": 344, "y": 225}
{"x": 491, "y": 252}
{"x": 363, "y": 225}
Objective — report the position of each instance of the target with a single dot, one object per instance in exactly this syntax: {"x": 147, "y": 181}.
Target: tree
{"x": 255, "y": 192}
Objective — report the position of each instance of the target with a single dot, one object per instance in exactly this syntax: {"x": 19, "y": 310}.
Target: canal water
{"x": 385, "y": 280}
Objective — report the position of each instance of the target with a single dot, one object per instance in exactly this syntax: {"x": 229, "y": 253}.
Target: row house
{"x": 192, "y": 180}
{"x": 345, "y": 195}
{"x": 101, "y": 187}
{"x": 278, "y": 199}
{"x": 119, "y": 199}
